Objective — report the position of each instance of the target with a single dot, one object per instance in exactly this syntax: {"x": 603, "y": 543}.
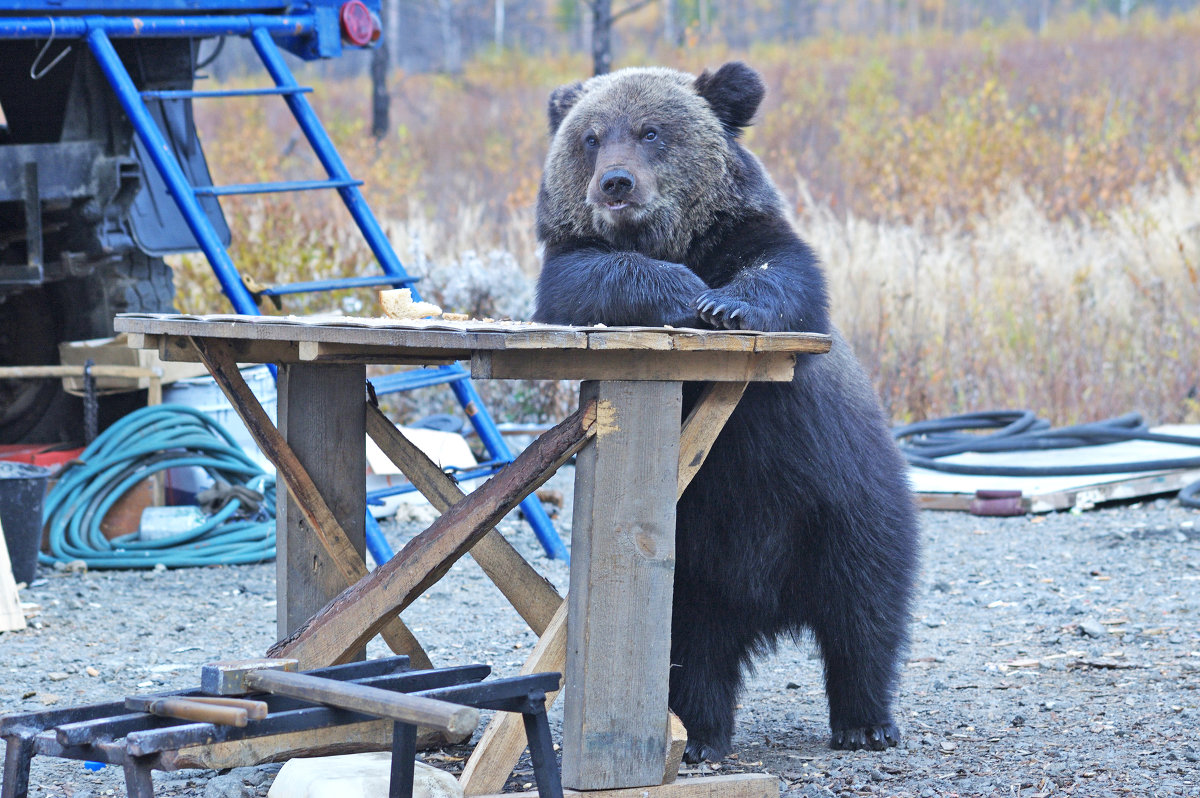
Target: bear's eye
{"x": 650, "y": 135}
{"x": 591, "y": 140}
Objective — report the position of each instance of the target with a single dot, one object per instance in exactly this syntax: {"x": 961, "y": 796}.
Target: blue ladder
{"x": 260, "y": 30}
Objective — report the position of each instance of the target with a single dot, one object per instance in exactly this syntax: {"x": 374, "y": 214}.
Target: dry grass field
{"x": 1007, "y": 219}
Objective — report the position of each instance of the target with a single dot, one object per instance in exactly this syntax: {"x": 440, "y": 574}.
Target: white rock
{"x": 356, "y": 776}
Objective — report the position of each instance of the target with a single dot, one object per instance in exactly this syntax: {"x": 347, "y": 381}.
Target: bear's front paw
{"x": 697, "y": 751}
{"x": 875, "y": 738}
{"x": 726, "y": 313}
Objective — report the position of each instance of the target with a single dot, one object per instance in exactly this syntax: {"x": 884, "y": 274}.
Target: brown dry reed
{"x": 1008, "y": 220}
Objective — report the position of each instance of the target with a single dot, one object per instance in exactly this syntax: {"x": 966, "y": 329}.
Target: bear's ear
{"x": 562, "y": 100}
{"x": 734, "y": 92}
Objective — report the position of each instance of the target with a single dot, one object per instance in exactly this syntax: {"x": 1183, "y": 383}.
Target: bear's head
{"x": 648, "y": 158}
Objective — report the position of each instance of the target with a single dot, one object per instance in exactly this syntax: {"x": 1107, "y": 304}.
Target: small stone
{"x": 90, "y": 671}
{"x": 76, "y": 567}
{"x": 57, "y": 676}
{"x": 814, "y": 791}
{"x": 249, "y": 775}
{"x": 227, "y": 786}
{"x": 791, "y": 686}
{"x": 1092, "y": 628}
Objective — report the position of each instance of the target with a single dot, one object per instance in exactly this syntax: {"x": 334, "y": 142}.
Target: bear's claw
{"x": 697, "y": 751}
{"x": 875, "y": 738}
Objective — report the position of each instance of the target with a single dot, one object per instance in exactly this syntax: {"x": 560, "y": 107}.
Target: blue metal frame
{"x": 310, "y": 29}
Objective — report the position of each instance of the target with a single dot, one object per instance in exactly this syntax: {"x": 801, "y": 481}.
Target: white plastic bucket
{"x": 203, "y": 394}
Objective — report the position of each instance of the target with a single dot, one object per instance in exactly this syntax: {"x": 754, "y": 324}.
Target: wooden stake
{"x": 11, "y": 617}
{"x": 533, "y": 597}
{"x": 349, "y": 621}
{"x": 341, "y": 551}
{"x": 503, "y": 740}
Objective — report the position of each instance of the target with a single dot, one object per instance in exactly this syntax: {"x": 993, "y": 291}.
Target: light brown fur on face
{"x": 682, "y": 178}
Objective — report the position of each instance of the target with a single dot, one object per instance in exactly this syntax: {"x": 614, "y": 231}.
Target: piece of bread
{"x": 398, "y": 304}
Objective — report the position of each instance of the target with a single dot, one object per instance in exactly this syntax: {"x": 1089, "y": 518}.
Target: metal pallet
{"x": 139, "y": 742}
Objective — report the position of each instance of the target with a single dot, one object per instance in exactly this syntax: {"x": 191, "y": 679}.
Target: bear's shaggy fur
{"x": 651, "y": 212}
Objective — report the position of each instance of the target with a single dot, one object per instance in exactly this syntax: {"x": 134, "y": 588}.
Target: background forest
{"x": 1006, "y": 195}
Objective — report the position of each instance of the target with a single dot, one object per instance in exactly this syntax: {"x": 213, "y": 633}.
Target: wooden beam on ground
{"x": 708, "y": 417}
{"x": 503, "y": 740}
{"x": 12, "y": 619}
{"x": 299, "y": 484}
{"x": 735, "y": 785}
{"x": 347, "y": 622}
{"x": 533, "y": 597}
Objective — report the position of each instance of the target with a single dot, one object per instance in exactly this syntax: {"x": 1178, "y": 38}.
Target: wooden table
{"x": 611, "y": 635}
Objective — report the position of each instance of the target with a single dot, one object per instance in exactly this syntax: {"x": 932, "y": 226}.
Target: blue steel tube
{"x": 172, "y": 174}
{"x": 531, "y": 505}
{"x": 369, "y": 225}
{"x": 52, "y": 25}
{"x": 327, "y": 153}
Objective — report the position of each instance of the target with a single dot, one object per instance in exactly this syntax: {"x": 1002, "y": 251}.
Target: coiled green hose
{"x": 142, "y": 443}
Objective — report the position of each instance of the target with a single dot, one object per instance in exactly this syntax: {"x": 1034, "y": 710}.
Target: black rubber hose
{"x": 924, "y": 442}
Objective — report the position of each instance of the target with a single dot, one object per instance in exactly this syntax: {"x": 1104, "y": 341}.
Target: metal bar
{"x": 369, "y": 225}
{"x": 138, "y": 780}
{"x": 404, "y": 757}
{"x": 172, "y": 173}
{"x": 180, "y": 94}
{"x": 147, "y": 26}
{"x": 381, "y": 550}
{"x": 420, "y": 378}
{"x": 33, "y": 220}
{"x": 508, "y": 695}
{"x": 541, "y": 753}
{"x": 535, "y": 513}
{"x": 18, "y": 753}
{"x": 337, "y": 285}
{"x": 327, "y": 154}
{"x": 271, "y": 188}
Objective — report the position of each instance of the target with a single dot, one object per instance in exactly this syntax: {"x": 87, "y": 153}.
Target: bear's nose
{"x": 617, "y": 183}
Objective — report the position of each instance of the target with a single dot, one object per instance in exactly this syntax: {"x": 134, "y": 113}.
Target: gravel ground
{"x": 1051, "y": 655}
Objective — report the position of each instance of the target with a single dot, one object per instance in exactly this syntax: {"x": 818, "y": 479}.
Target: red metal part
{"x": 358, "y": 24}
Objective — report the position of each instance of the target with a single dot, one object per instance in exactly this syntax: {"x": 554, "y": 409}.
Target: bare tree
{"x": 603, "y": 18}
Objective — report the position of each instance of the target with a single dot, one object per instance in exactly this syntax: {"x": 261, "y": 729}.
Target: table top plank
{"x": 458, "y": 340}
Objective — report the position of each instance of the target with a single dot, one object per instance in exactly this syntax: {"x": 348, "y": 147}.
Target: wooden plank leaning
{"x": 533, "y": 597}
{"x": 350, "y": 567}
{"x": 503, "y": 739}
{"x": 347, "y": 622}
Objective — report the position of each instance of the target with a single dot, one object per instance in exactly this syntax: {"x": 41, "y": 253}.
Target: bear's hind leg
{"x": 860, "y": 619}
{"x": 706, "y": 663}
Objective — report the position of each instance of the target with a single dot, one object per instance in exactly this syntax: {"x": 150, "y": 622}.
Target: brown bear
{"x": 651, "y": 212}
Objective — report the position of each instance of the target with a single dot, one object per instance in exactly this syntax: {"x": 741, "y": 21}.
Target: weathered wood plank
{"x": 12, "y": 619}
{"x": 628, "y": 364}
{"x": 347, "y": 622}
{"x": 533, "y": 597}
{"x": 316, "y": 416}
{"x": 736, "y": 785}
{"x": 630, "y": 339}
{"x": 308, "y": 499}
{"x": 622, "y": 572}
{"x": 708, "y": 417}
{"x": 503, "y": 740}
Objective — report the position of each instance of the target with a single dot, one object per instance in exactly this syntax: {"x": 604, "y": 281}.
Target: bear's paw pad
{"x": 874, "y": 738}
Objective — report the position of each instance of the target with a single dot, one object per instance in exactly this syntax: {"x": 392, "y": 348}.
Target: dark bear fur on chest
{"x": 801, "y": 521}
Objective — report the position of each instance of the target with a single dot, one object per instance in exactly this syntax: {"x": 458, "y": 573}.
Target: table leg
{"x": 622, "y": 574}
{"x": 322, "y": 419}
